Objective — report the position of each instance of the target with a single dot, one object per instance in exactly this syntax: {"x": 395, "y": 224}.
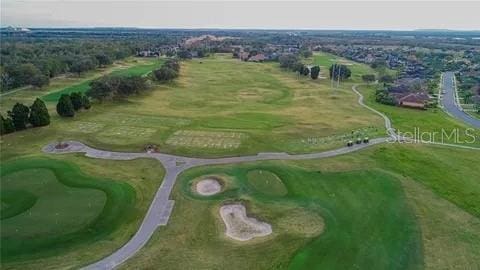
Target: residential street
{"x": 450, "y": 104}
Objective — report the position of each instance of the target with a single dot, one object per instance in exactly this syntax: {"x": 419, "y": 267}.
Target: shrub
{"x": 368, "y": 78}
{"x": 314, "y": 72}
{"x": 165, "y": 74}
{"x": 86, "y": 102}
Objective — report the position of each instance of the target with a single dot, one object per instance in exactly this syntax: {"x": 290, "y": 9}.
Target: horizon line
{"x": 244, "y": 28}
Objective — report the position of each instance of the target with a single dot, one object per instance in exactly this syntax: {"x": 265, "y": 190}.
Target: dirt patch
{"x": 239, "y": 226}
{"x": 208, "y": 187}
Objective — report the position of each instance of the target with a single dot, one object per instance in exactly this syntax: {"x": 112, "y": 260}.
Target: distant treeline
{"x": 35, "y": 62}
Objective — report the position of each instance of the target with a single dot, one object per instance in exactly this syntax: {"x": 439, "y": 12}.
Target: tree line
{"x": 36, "y": 62}
{"x": 21, "y": 117}
{"x": 112, "y": 87}
{"x": 69, "y": 104}
{"x": 294, "y": 63}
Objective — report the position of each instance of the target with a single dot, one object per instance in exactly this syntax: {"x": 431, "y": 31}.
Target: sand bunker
{"x": 239, "y": 226}
{"x": 207, "y": 187}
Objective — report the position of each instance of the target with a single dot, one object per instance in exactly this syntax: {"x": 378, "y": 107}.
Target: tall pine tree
{"x": 19, "y": 115}
{"x": 86, "y": 102}
{"x": 76, "y": 98}
{"x": 65, "y": 106}
{"x": 39, "y": 114}
{"x": 6, "y": 125}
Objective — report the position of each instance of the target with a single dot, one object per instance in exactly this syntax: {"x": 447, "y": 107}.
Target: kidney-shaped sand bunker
{"x": 239, "y": 226}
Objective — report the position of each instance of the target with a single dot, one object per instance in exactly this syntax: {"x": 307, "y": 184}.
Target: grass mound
{"x": 15, "y": 202}
{"x": 267, "y": 183}
{"x": 58, "y": 207}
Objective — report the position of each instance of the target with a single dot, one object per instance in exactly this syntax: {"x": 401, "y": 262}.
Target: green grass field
{"x": 256, "y": 106}
{"x": 348, "y": 202}
{"x": 387, "y": 207}
{"x": 376, "y": 216}
{"x": 52, "y": 211}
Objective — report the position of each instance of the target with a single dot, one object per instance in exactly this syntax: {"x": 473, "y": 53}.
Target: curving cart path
{"x": 161, "y": 206}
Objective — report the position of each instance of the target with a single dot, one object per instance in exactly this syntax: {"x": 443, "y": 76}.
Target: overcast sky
{"x": 395, "y": 15}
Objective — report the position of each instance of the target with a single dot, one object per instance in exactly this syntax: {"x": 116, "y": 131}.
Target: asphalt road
{"x": 449, "y": 103}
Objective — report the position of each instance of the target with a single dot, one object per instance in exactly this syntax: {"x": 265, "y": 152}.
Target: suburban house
{"x": 243, "y": 56}
{"x": 412, "y": 100}
{"x": 258, "y": 58}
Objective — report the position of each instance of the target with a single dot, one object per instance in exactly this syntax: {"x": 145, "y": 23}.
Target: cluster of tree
{"x": 386, "y": 78}
{"x": 368, "y": 78}
{"x": 338, "y": 71}
{"x": 168, "y": 71}
{"x": 305, "y": 52}
{"x": 383, "y": 96}
{"x": 68, "y": 104}
{"x": 116, "y": 87}
{"x": 21, "y": 116}
{"x": 292, "y": 62}
{"x": 191, "y": 53}
{"x": 27, "y": 62}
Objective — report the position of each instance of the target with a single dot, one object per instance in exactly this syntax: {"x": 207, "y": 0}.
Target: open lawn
{"x": 386, "y": 207}
{"x": 375, "y": 215}
{"x": 238, "y": 109}
{"x": 52, "y": 212}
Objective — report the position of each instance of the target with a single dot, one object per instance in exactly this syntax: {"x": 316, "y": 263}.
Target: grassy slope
{"x": 349, "y": 202}
{"x": 57, "y": 219}
{"x": 439, "y": 194}
{"x": 86, "y": 243}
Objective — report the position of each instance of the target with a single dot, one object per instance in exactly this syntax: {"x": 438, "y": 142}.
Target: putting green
{"x": 48, "y": 205}
{"x": 267, "y": 183}
{"x": 357, "y": 219}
